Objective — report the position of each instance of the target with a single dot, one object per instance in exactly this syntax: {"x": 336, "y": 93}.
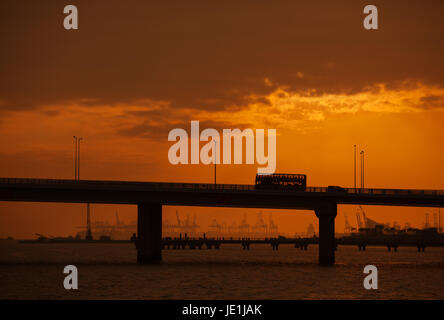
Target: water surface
{"x": 109, "y": 271}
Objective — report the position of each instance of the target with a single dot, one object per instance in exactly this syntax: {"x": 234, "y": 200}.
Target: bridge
{"x": 151, "y": 196}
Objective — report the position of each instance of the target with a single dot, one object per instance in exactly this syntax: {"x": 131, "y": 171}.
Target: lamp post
{"x": 77, "y": 178}
{"x": 362, "y": 169}
{"x": 78, "y": 158}
{"x": 215, "y": 160}
{"x": 354, "y": 167}
{"x": 75, "y": 158}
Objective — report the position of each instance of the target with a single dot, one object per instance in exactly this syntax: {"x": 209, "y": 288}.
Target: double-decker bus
{"x": 281, "y": 181}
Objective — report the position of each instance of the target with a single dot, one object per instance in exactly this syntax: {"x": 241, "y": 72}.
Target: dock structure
{"x": 210, "y": 243}
{"x": 179, "y": 243}
{"x": 303, "y": 243}
{"x": 393, "y": 242}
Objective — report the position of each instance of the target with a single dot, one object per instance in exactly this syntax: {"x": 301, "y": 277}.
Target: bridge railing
{"x": 378, "y": 191}
{"x": 207, "y": 186}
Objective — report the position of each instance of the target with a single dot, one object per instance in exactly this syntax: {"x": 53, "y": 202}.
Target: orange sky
{"x": 134, "y": 71}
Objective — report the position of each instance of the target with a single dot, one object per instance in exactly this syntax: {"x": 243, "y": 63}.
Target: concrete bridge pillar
{"x": 326, "y": 214}
{"x": 149, "y": 229}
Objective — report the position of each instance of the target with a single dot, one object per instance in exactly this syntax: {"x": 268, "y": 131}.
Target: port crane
{"x": 348, "y": 228}
{"x": 358, "y": 218}
{"x": 272, "y": 227}
{"x": 117, "y": 220}
{"x": 178, "y": 219}
{"x": 88, "y": 223}
{"x": 244, "y": 227}
{"x": 361, "y": 223}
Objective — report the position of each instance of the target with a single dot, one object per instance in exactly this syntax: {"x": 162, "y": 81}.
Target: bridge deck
{"x": 230, "y": 195}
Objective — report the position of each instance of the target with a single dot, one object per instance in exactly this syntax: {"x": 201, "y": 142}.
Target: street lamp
{"x": 75, "y": 158}
{"x": 362, "y": 169}
{"x": 78, "y": 159}
{"x": 215, "y": 160}
{"x": 354, "y": 167}
{"x": 77, "y": 177}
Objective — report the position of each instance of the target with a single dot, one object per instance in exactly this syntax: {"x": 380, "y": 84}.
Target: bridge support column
{"x": 326, "y": 214}
{"x": 149, "y": 229}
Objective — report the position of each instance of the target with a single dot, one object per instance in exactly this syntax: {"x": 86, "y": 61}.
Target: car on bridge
{"x": 336, "y": 189}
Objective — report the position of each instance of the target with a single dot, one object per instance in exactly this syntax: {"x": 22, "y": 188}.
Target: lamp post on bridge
{"x": 78, "y": 159}
{"x": 362, "y": 169}
{"x": 215, "y": 160}
{"x": 354, "y": 168}
{"x": 77, "y": 178}
{"x": 75, "y": 157}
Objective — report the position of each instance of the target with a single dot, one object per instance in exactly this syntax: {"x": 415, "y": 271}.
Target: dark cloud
{"x": 159, "y": 130}
{"x": 210, "y": 54}
{"x": 432, "y": 102}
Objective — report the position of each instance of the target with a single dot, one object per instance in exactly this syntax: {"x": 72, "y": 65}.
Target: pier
{"x": 392, "y": 243}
